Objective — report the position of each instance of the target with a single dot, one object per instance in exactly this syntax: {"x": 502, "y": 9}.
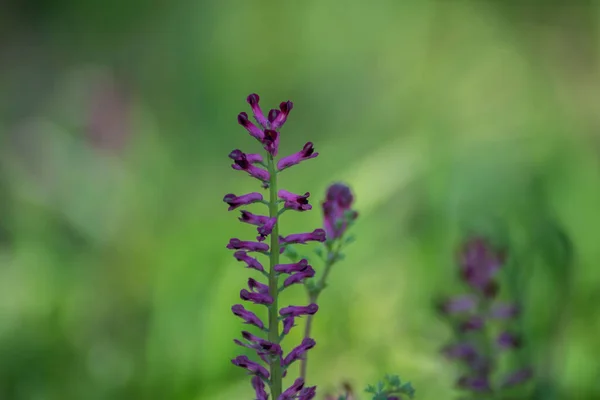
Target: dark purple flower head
{"x": 254, "y": 131}
{"x": 292, "y": 392}
{"x": 259, "y": 388}
{"x": 241, "y": 163}
{"x": 284, "y": 108}
{"x": 306, "y": 153}
{"x": 271, "y": 141}
{"x": 237, "y": 244}
{"x": 299, "y": 351}
{"x": 251, "y": 366}
{"x": 251, "y": 262}
{"x": 479, "y": 264}
{"x": 296, "y": 311}
{"x": 298, "y": 202}
{"x": 337, "y": 210}
{"x": 237, "y": 201}
{"x": 318, "y": 235}
{"x": 247, "y": 316}
{"x": 253, "y": 100}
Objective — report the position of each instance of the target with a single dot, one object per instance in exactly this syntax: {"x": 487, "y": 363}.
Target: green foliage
{"x": 391, "y": 385}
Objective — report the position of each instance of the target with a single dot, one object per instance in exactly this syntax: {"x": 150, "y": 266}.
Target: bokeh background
{"x": 446, "y": 117}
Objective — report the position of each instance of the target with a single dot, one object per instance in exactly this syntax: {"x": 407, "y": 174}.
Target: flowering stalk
{"x": 269, "y": 350}
{"x": 472, "y": 315}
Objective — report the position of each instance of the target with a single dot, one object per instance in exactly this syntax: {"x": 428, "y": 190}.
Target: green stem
{"x": 276, "y": 372}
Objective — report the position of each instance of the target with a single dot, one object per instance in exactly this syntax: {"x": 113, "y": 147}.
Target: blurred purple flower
{"x": 337, "y": 210}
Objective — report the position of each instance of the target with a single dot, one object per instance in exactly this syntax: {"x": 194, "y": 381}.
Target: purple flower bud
{"x": 250, "y": 127}
{"x": 285, "y": 108}
{"x": 507, "y": 341}
{"x": 248, "y": 316}
{"x": 251, "y": 366}
{"x": 474, "y": 383}
{"x": 273, "y": 114}
{"x": 241, "y": 163}
{"x": 460, "y": 351}
{"x": 293, "y": 201}
{"x": 308, "y": 393}
{"x": 271, "y": 141}
{"x": 295, "y": 311}
{"x": 291, "y": 392}
{"x": 299, "y": 351}
{"x": 288, "y": 324}
{"x": 517, "y": 377}
{"x": 479, "y": 263}
{"x": 318, "y": 235}
{"x": 299, "y": 277}
{"x": 337, "y": 211}
{"x": 458, "y": 304}
{"x": 306, "y": 153}
{"x": 253, "y": 100}
{"x": 504, "y": 311}
{"x": 262, "y": 346}
{"x": 474, "y": 323}
{"x": 251, "y": 262}
{"x": 264, "y": 223}
{"x": 256, "y": 298}
{"x": 237, "y": 244}
{"x": 291, "y": 268}
{"x": 237, "y": 201}
{"x": 257, "y": 287}
{"x": 259, "y": 388}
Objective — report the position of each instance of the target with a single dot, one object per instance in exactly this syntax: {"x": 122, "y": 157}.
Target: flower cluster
{"x": 473, "y": 314}
{"x": 280, "y": 321}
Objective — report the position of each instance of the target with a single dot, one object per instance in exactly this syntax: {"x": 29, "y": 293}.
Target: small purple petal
{"x": 299, "y": 277}
{"x": 253, "y": 100}
{"x": 247, "y": 316}
{"x": 285, "y": 108}
{"x": 251, "y": 366}
{"x": 237, "y": 201}
{"x": 291, "y": 392}
{"x": 295, "y": 311}
{"x": 295, "y": 201}
{"x": 271, "y": 142}
{"x": 257, "y": 287}
{"x": 256, "y": 298}
{"x": 293, "y": 267}
{"x": 237, "y": 244}
{"x": 254, "y": 131}
{"x": 259, "y": 388}
{"x": 306, "y": 153}
{"x": 299, "y": 351}
{"x": 317, "y": 235}
{"x": 288, "y": 324}
{"x": 251, "y": 262}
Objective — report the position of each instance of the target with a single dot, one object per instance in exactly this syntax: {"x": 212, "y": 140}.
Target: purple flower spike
{"x": 259, "y": 388}
{"x": 285, "y": 108}
{"x": 251, "y": 366}
{"x": 288, "y": 324}
{"x": 253, "y": 100}
{"x": 479, "y": 264}
{"x": 298, "y": 202}
{"x": 247, "y": 316}
{"x": 296, "y": 311}
{"x": 241, "y": 163}
{"x": 298, "y": 352}
{"x": 271, "y": 141}
{"x": 507, "y": 340}
{"x": 308, "y": 393}
{"x": 254, "y": 131}
{"x": 251, "y": 262}
{"x": 306, "y": 153}
{"x": 459, "y": 304}
{"x": 291, "y": 392}
{"x": 299, "y": 277}
{"x": 256, "y": 298}
{"x": 318, "y": 235}
{"x": 238, "y": 201}
{"x": 291, "y": 268}
{"x": 517, "y": 377}
{"x": 237, "y": 244}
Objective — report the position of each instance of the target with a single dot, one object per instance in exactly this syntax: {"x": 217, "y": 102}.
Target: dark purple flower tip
{"x": 341, "y": 194}
{"x": 271, "y": 141}
{"x": 288, "y": 324}
{"x": 517, "y": 377}
{"x": 241, "y": 163}
{"x": 285, "y": 108}
{"x": 293, "y": 267}
{"x": 474, "y": 323}
{"x": 248, "y": 316}
{"x": 272, "y": 115}
{"x": 265, "y": 224}
{"x": 299, "y": 277}
{"x": 298, "y": 202}
{"x": 253, "y": 100}
{"x": 308, "y": 393}
{"x": 306, "y": 153}
{"x": 337, "y": 211}
{"x": 266, "y": 229}
{"x": 460, "y": 351}
{"x": 262, "y": 346}
{"x": 251, "y": 262}
{"x": 237, "y": 244}
{"x": 252, "y": 129}
{"x": 458, "y": 304}
{"x": 296, "y": 311}
{"x": 299, "y": 351}
{"x": 507, "y": 340}
{"x": 504, "y": 311}
{"x": 318, "y": 235}
{"x": 256, "y": 298}
{"x": 292, "y": 392}
{"x": 253, "y": 367}
{"x": 479, "y": 263}
{"x": 237, "y": 201}
{"x": 259, "y": 388}
{"x": 257, "y": 287}
{"x": 474, "y": 383}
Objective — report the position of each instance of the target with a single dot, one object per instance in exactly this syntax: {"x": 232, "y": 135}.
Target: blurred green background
{"x": 446, "y": 117}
